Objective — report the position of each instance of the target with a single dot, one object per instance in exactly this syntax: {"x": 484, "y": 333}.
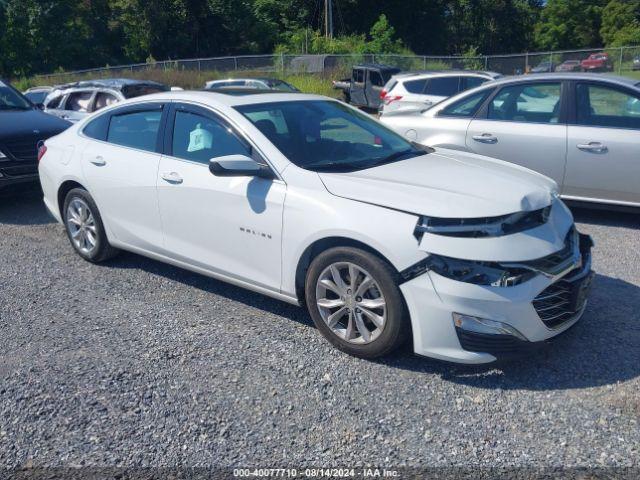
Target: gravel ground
{"x": 136, "y": 363}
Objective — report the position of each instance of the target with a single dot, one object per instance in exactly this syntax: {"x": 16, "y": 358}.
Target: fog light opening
{"x": 485, "y": 326}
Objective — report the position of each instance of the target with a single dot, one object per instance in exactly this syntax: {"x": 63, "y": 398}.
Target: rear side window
{"x": 415, "y": 86}
{"x": 137, "y": 129}
{"x": 199, "y": 138}
{"x": 97, "y": 128}
{"x": 443, "y": 86}
{"x": 603, "y": 106}
{"x": 467, "y": 107}
{"x": 79, "y": 101}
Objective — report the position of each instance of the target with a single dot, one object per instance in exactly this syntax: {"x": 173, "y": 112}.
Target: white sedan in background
{"x": 310, "y": 201}
{"x": 580, "y": 129}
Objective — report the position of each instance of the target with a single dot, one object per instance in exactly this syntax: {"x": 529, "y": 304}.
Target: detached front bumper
{"x": 522, "y": 317}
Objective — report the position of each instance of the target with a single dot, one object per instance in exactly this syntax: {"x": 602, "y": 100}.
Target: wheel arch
{"x": 63, "y": 190}
{"x": 321, "y": 245}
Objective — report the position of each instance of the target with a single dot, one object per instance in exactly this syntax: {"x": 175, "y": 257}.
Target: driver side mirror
{"x": 239, "y": 166}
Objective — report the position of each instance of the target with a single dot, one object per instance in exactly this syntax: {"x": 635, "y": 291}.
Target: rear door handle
{"x": 595, "y": 147}
{"x": 485, "y": 138}
{"x": 98, "y": 161}
{"x": 172, "y": 177}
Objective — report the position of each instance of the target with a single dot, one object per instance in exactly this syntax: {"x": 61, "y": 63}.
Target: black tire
{"x": 397, "y": 328}
{"x": 102, "y": 250}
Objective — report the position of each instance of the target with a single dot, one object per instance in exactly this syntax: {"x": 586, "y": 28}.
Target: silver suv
{"x": 419, "y": 90}
{"x": 74, "y": 101}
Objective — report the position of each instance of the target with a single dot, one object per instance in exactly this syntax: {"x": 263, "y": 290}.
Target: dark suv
{"x": 22, "y": 127}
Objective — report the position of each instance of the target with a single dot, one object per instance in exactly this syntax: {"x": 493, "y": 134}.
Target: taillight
{"x": 42, "y": 149}
{"x": 383, "y": 94}
{"x": 392, "y": 98}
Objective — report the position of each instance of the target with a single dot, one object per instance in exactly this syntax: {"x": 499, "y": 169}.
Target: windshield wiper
{"x": 397, "y": 156}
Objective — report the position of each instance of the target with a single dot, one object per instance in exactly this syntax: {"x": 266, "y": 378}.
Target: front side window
{"x": 79, "y": 102}
{"x": 358, "y": 76}
{"x": 323, "y": 135}
{"x": 603, "y": 106}
{"x": 467, "y": 107}
{"x": 199, "y": 138}
{"x": 443, "y": 86}
{"x": 535, "y": 103}
{"x": 137, "y": 129}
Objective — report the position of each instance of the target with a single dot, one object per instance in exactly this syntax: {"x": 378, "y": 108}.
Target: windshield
{"x": 324, "y": 135}
{"x": 37, "y": 97}
{"x": 283, "y": 86}
{"x": 11, "y": 99}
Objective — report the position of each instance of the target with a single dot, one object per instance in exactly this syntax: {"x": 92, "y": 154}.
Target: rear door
{"x": 120, "y": 165}
{"x": 357, "y": 89}
{"x": 524, "y": 123}
{"x": 603, "y": 160}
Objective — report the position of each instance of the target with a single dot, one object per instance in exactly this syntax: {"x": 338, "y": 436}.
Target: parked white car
{"x": 77, "y": 100}
{"x": 419, "y": 90}
{"x": 580, "y": 129}
{"x": 261, "y": 83}
{"x": 310, "y": 201}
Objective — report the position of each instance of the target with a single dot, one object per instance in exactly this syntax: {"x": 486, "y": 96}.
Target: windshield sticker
{"x": 200, "y": 139}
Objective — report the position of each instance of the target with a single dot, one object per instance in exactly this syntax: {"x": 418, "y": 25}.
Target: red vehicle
{"x": 597, "y": 62}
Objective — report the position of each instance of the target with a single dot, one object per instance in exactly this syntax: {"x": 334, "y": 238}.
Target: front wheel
{"x": 355, "y": 302}
{"x": 84, "y": 227}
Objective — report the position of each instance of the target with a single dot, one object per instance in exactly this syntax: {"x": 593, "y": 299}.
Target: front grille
{"x": 23, "y": 149}
{"x": 553, "y": 305}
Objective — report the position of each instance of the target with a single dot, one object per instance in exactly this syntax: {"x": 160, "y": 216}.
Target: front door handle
{"x": 485, "y": 138}
{"x": 98, "y": 161}
{"x": 172, "y": 177}
{"x": 595, "y": 147}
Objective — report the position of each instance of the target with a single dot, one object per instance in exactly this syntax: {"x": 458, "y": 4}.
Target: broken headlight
{"x": 482, "y": 227}
{"x": 478, "y": 273}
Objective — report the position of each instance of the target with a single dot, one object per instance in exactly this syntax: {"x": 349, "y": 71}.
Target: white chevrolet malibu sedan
{"x": 310, "y": 201}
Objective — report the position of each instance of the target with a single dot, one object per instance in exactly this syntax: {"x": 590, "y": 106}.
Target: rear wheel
{"x": 84, "y": 227}
{"x": 355, "y": 302}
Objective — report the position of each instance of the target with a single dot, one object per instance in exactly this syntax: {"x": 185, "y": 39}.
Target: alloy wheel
{"x": 82, "y": 226}
{"x": 351, "y": 303}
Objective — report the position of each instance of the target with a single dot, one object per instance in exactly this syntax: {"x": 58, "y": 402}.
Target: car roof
{"x": 432, "y": 73}
{"x": 115, "y": 83}
{"x": 625, "y": 81}
{"x": 377, "y": 66}
{"x": 229, "y": 97}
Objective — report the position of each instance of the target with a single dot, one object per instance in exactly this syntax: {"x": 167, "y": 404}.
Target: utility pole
{"x": 328, "y": 18}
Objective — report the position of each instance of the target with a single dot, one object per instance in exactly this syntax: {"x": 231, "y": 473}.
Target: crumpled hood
{"x": 448, "y": 184}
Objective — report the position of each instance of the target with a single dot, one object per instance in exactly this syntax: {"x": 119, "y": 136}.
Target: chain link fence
{"x": 621, "y": 60}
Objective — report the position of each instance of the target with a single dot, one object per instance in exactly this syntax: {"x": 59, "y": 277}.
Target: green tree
{"x": 566, "y": 24}
{"x": 621, "y": 23}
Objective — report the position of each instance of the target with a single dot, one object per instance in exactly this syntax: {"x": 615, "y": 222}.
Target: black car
{"x": 22, "y": 127}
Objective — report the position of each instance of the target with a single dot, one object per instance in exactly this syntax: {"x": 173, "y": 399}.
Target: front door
{"x": 603, "y": 160}
{"x": 227, "y": 225}
{"x": 522, "y": 124}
